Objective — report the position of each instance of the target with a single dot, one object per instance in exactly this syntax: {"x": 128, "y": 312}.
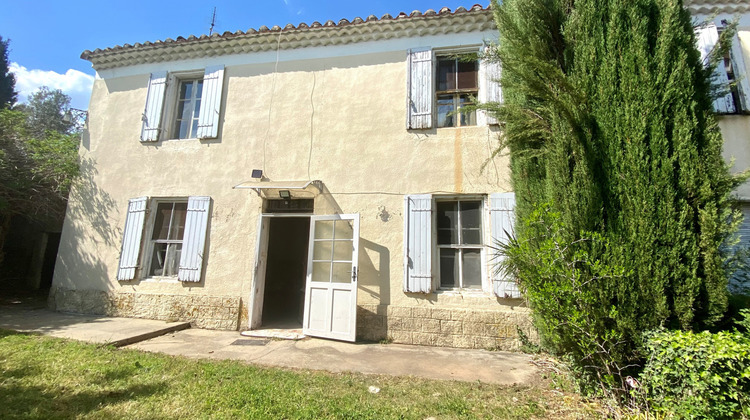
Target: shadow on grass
{"x": 42, "y": 402}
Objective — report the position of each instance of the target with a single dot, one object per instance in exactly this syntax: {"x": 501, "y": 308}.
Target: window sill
{"x": 160, "y": 279}
{"x": 463, "y": 293}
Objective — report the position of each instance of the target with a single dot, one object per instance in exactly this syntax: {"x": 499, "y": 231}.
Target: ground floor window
{"x": 166, "y": 238}
{"x": 450, "y": 243}
{"x": 459, "y": 243}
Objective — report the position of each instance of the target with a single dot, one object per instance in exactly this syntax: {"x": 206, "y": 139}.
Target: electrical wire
{"x": 270, "y": 102}
{"x": 312, "y": 121}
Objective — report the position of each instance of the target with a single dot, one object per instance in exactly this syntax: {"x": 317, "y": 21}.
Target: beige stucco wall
{"x": 339, "y": 119}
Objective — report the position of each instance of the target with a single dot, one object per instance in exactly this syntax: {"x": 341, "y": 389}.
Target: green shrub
{"x": 567, "y": 286}
{"x": 697, "y": 375}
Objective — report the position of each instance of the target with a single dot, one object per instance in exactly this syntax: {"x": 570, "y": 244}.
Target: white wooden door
{"x": 331, "y": 286}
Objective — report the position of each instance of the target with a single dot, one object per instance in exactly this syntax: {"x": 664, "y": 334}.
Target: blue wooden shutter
{"x": 502, "y": 218}
{"x": 707, "y": 37}
{"x": 418, "y": 244}
{"x": 131, "y": 239}
{"x": 194, "y": 239}
{"x": 740, "y": 73}
{"x": 208, "y": 119}
{"x": 490, "y": 90}
{"x": 419, "y": 89}
{"x": 154, "y": 104}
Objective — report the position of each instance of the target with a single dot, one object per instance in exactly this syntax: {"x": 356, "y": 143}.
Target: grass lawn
{"x": 49, "y": 378}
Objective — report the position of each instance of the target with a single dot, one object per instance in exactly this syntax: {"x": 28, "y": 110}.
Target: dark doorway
{"x": 286, "y": 269}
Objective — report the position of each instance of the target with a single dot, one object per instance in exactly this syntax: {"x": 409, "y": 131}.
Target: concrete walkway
{"x": 310, "y": 353}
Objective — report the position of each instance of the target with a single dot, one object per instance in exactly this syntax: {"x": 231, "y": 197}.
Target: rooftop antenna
{"x": 213, "y": 22}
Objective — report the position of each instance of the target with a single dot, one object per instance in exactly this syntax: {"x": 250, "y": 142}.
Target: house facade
{"x": 311, "y": 176}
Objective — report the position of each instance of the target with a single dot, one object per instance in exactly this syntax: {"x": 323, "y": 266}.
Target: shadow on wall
{"x": 375, "y": 274}
{"x": 87, "y": 233}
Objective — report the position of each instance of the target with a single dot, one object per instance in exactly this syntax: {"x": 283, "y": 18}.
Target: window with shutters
{"x": 166, "y": 235}
{"x": 455, "y": 86}
{"x": 729, "y": 76}
{"x": 174, "y": 232}
{"x": 183, "y": 105}
{"x": 442, "y": 82}
{"x": 733, "y": 62}
{"x": 459, "y": 243}
{"x": 450, "y": 243}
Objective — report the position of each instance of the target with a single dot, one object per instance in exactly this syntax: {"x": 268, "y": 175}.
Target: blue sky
{"x": 48, "y": 36}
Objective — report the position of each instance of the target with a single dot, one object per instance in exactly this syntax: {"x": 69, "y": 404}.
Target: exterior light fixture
{"x": 257, "y": 173}
{"x": 285, "y": 194}
{"x": 75, "y": 116}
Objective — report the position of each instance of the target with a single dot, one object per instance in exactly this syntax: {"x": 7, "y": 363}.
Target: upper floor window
{"x": 183, "y": 105}
{"x": 188, "y": 108}
{"x": 729, "y": 76}
{"x": 456, "y": 84}
{"x": 441, "y": 84}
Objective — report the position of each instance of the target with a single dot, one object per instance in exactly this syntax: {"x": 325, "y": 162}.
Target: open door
{"x": 331, "y": 286}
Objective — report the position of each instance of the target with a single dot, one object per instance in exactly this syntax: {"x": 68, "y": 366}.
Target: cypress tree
{"x": 624, "y": 200}
{"x": 7, "y": 79}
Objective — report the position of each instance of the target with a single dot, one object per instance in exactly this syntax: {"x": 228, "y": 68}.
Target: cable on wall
{"x": 270, "y": 102}
{"x": 312, "y": 121}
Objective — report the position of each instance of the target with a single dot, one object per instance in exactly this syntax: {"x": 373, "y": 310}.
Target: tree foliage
{"x": 38, "y": 159}
{"x": 7, "y": 79}
{"x": 614, "y": 149}
{"x": 46, "y": 110}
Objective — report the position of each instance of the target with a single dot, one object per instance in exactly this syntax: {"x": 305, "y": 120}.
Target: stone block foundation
{"x": 494, "y": 328}
{"x": 210, "y": 312}
{"x": 446, "y": 326}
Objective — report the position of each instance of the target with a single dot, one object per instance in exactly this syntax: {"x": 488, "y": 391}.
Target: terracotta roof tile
{"x": 88, "y": 55}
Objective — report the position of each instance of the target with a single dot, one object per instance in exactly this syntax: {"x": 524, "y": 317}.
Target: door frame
{"x": 258, "y": 286}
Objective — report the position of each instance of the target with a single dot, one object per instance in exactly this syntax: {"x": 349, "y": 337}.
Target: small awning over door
{"x": 272, "y": 188}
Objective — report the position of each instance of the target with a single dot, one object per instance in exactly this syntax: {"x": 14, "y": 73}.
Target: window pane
{"x": 322, "y": 250}
{"x": 467, "y": 74}
{"x": 161, "y": 221}
{"x": 186, "y": 90}
{"x": 471, "y": 222}
{"x": 467, "y": 118}
{"x": 177, "y": 230}
{"x": 194, "y": 129}
{"x": 342, "y": 250}
{"x": 199, "y": 88}
{"x": 472, "y": 268}
{"x": 446, "y": 75}
{"x": 342, "y": 273}
{"x": 174, "y": 251}
{"x": 447, "y": 222}
{"x": 182, "y": 129}
{"x": 186, "y": 111}
{"x": 324, "y": 229}
{"x": 158, "y": 259}
{"x": 446, "y": 105}
{"x": 344, "y": 229}
{"x": 197, "y": 109}
{"x": 448, "y": 268}
{"x": 321, "y": 272}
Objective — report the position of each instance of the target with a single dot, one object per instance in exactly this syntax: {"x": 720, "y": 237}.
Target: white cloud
{"x": 74, "y": 83}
